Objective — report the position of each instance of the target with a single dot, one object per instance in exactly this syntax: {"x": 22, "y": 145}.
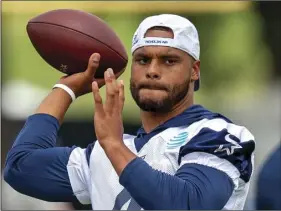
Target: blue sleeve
{"x": 35, "y": 166}
{"x": 194, "y": 187}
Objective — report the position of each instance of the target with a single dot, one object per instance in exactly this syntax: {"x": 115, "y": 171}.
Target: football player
{"x": 183, "y": 157}
{"x": 268, "y": 192}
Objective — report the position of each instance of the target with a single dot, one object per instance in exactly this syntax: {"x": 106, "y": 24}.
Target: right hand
{"x": 81, "y": 83}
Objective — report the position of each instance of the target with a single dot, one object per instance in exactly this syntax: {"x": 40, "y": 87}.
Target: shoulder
{"x": 219, "y": 129}
{"x": 221, "y": 144}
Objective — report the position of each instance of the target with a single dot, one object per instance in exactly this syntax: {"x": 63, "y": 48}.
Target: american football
{"x": 66, "y": 38}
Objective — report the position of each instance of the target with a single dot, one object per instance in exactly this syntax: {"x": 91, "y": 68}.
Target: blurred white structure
{"x": 20, "y": 98}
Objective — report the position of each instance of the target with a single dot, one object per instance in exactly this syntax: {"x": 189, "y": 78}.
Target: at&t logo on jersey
{"x": 177, "y": 141}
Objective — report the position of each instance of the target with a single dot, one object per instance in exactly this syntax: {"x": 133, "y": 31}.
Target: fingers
{"x": 114, "y": 94}
{"x": 97, "y": 99}
{"x": 111, "y": 91}
{"x": 101, "y": 81}
{"x": 93, "y": 64}
{"x": 121, "y": 97}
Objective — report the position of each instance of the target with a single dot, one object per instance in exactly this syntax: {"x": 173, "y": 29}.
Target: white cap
{"x": 185, "y": 35}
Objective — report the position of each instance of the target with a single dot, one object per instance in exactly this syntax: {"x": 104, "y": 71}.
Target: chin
{"x": 156, "y": 101}
{"x": 154, "y": 108}
{"x": 159, "y": 105}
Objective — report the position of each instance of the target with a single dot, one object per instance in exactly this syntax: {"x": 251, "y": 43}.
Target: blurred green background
{"x": 234, "y": 59}
{"x": 240, "y": 70}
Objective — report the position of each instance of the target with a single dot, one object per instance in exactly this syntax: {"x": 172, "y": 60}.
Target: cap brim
{"x": 197, "y": 85}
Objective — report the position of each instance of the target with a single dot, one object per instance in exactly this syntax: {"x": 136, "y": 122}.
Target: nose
{"x": 153, "y": 72}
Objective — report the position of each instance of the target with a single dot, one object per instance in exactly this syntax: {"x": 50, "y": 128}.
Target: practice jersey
{"x": 211, "y": 140}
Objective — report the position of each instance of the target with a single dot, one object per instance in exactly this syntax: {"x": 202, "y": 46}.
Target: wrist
{"x": 61, "y": 95}
{"x": 55, "y": 104}
{"x": 112, "y": 146}
{"x": 66, "y": 89}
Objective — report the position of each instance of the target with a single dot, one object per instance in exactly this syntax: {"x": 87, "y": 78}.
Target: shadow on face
{"x": 161, "y": 75}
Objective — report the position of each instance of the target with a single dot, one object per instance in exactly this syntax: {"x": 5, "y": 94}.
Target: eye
{"x": 142, "y": 60}
{"x": 170, "y": 61}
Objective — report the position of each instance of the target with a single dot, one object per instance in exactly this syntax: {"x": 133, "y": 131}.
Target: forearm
{"x": 194, "y": 187}
{"x": 55, "y": 104}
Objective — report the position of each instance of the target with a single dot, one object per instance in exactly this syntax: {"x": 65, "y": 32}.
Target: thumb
{"x": 93, "y": 64}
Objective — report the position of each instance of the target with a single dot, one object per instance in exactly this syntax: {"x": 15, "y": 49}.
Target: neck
{"x": 151, "y": 120}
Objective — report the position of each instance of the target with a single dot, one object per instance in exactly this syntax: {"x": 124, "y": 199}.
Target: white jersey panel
{"x": 162, "y": 152}
{"x": 79, "y": 175}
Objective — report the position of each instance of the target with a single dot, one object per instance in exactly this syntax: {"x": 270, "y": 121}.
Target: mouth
{"x": 157, "y": 89}
{"x": 153, "y": 87}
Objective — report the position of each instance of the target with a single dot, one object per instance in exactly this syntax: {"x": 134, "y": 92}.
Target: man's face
{"x": 161, "y": 76}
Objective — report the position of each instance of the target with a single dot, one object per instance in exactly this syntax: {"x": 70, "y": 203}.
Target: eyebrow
{"x": 162, "y": 55}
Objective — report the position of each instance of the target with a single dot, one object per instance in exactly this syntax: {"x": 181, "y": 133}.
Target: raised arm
{"x": 34, "y": 165}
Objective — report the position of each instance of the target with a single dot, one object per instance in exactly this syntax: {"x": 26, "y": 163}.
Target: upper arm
{"x": 37, "y": 168}
{"x": 57, "y": 174}
{"x": 41, "y": 173}
{"x": 204, "y": 187}
{"x": 224, "y": 146}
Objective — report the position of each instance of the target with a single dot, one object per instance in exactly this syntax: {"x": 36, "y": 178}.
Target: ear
{"x": 195, "y": 75}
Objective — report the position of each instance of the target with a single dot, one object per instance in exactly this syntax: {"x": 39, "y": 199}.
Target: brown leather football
{"x": 66, "y": 38}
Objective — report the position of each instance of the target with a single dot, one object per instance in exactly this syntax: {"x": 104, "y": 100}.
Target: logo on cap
{"x": 135, "y": 39}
